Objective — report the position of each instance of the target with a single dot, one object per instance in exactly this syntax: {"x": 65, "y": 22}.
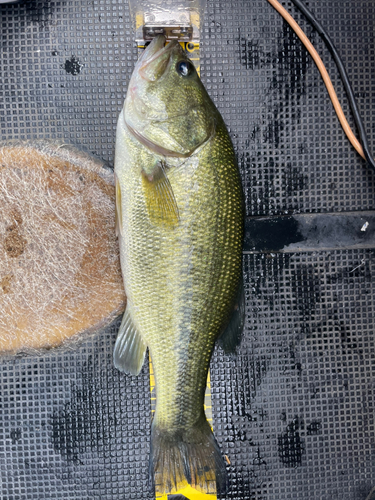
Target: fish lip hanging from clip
{"x": 156, "y": 61}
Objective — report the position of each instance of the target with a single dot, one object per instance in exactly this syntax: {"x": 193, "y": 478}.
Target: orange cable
{"x": 331, "y": 91}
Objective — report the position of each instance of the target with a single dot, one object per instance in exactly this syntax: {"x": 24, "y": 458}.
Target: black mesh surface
{"x": 298, "y": 418}
{"x": 294, "y": 411}
{"x": 73, "y": 427}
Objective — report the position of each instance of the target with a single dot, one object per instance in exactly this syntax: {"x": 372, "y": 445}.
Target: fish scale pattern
{"x": 293, "y": 411}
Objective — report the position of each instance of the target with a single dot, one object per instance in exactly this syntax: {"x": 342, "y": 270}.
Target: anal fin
{"x": 130, "y": 350}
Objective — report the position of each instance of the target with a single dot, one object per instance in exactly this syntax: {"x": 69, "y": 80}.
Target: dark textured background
{"x": 294, "y": 411}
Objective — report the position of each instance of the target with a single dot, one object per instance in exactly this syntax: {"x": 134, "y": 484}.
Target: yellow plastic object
{"x": 191, "y": 494}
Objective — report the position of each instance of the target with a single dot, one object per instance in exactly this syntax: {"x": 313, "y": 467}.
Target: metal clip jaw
{"x": 181, "y": 33}
{"x": 175, "y": 19}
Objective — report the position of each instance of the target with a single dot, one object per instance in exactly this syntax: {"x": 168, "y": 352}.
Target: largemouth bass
{"x": 180, "y": 225}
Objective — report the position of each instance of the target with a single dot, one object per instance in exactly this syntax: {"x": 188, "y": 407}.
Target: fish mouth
{"x": 151, "y": 66}
{"x": 156, "y": 47}
{"x": 154, "y": 60}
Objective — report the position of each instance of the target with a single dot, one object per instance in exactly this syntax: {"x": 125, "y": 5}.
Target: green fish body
{"x": 180, "y": 226}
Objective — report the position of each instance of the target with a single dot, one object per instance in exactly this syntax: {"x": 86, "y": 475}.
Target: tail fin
{"x": 187, "y": 457}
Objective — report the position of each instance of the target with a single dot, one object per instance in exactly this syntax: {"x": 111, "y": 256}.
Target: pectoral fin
{"x": 231, "y": 337}
{"x": 129, "y": 352}
{"x": 118, "y": 213}
{"x": 160, "y": 201}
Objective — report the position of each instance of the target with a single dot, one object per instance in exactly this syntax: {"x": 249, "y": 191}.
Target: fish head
{"x": 167, "y": 107}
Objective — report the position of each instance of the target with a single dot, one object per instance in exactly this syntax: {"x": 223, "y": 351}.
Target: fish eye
{"x": 184, "y": 68}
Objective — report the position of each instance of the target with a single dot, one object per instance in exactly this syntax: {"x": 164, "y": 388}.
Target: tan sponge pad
{"x": 59, "y": 261}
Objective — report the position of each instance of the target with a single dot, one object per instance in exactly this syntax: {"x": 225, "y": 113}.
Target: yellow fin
{"x": 118, "y": 214}
{"x": 160, "y": 201}
{"x": 188, "y": 456}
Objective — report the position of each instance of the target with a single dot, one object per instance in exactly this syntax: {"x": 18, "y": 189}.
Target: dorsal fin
{"x": 230, "y": 339}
